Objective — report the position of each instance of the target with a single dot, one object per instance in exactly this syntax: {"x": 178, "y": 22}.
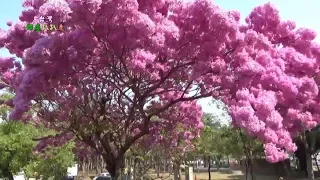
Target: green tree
{"x": 223, "y": 141}
{"x": 233, "y": 146}
{"x": 210, "y": 120}
{"x": 16, "y": 148}
{"x": 54, "y": 163}
{"x": 15, "y": 142}
{"x": 212, "y": 146}
{"x": 208, "y": 141}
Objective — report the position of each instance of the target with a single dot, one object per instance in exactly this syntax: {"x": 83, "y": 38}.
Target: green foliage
{"x": 218, "y": 140}
{"x": 232, "y": 142}
{"x": 16, "y": 149}
{"x": 210, "y": 121}
{"x": 210, "y": 143}
{"x": 205, "y": 145}
{"x": 55, "y": 163}
{"x": 4, "y": 109}
{"x": 15, "y": 146}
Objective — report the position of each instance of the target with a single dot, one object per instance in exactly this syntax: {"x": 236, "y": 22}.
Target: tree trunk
{"x": 248, "y": 153}
{"x": 101, "y": 164}
{"x": 90, "y": 165}
{"x": 114, "y": 165}
{"x": 316, "y": 160}
{"x": 86, "y": 166}
{"x": 209, "y": 167}
{"x": 309, "y": 165}
{"x": 139, "y": 168}
{"x": 218, "y": 159}
{"x": 301, "y": 156}
{"x": 7, "y": 173}
{"x": 97, "y": 164}
{"x": 158, "y": 168}
{"x": 10, "y": 176}
{"x": 251, "y": 168}
{"x": 228, "y": 161}
{"x": 308, "y": 158}
{"x": 177, "y": 171}
{"x": 205, "y": 164}
{"x": 247, "y": 167}
{"x": 135, "y": 168}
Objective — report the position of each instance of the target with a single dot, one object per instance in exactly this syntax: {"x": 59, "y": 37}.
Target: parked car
{"x": 103, "y": 176}
{"x": 68, "y": 178}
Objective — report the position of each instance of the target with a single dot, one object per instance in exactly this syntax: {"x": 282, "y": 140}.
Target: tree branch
{"x": 181, "y": 99}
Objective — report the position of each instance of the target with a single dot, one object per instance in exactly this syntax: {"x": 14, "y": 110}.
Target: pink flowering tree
{"x": 117, "y": 65}
{"x": 274, "y": 91}
{"x": 121, "y": 64}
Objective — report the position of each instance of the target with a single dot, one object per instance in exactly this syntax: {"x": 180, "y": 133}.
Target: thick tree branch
{"x": 181, "y": 99}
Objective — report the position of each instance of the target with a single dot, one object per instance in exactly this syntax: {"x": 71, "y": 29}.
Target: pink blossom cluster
{"x": 276, "y": 92}
{"x": 176, "y": 131}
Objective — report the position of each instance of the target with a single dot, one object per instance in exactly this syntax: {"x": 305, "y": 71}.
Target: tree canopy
{"x": 121, "y": 63}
